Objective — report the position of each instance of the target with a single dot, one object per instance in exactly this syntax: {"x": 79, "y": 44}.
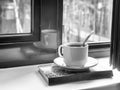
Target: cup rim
{"x": 75, "y": 43}
{"x": 48, "y": 31}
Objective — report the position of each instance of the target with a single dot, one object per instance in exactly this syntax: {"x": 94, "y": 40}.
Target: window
{"x": 80, "y": 17}
{"x": 19, "y": 21}
{"x": 19, "y": 26}
{"x": 49, "y": 23}
{"x": 15, "y": 16}
{"x": 36, "y": 33}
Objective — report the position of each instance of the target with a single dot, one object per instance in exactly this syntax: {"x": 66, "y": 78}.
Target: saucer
{"x": 91, "y": 62}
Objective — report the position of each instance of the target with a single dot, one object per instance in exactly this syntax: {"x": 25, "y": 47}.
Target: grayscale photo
{"x": 59, "y": 45}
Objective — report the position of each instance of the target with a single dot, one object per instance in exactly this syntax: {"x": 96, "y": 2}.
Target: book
{"x": 54, "y": 74}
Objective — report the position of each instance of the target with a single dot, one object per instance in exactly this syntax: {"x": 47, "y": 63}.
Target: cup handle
{"x": 60, "y": 51}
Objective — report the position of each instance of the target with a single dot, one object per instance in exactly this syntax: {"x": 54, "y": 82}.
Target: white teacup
{"x": 74, "y": 54}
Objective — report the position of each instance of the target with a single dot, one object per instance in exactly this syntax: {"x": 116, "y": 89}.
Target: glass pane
{"x": 80, "y": 17}
{"x": 15, "y": 16}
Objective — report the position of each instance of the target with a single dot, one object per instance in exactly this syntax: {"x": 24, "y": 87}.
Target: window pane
{"x": 80, "y": 17}
{"x": 15, "y": 16}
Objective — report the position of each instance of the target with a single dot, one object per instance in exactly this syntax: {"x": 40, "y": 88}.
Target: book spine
{"x": 44, "y": 76}
{"x": 80, "y": 77}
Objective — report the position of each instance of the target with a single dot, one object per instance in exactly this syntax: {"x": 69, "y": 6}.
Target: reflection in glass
{"x": 15, "y": 16}
{"x": 48, "y": 39}
{"x": 80, "y": 17}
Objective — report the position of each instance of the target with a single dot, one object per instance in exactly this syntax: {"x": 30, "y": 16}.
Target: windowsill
{"x": 27, "y": 78}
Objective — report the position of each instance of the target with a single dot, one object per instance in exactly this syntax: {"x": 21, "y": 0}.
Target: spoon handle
{"x": 87, "y": 38}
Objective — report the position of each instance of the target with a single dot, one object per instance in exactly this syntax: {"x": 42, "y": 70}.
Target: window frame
{"x": 115, "y": 39}
{"x": 95, "y": 50}
{"x": 16, "y": 39}
{"x": 25, "y": 58}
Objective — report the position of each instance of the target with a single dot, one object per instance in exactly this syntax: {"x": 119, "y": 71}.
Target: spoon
{"x": 87, "y": 38}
